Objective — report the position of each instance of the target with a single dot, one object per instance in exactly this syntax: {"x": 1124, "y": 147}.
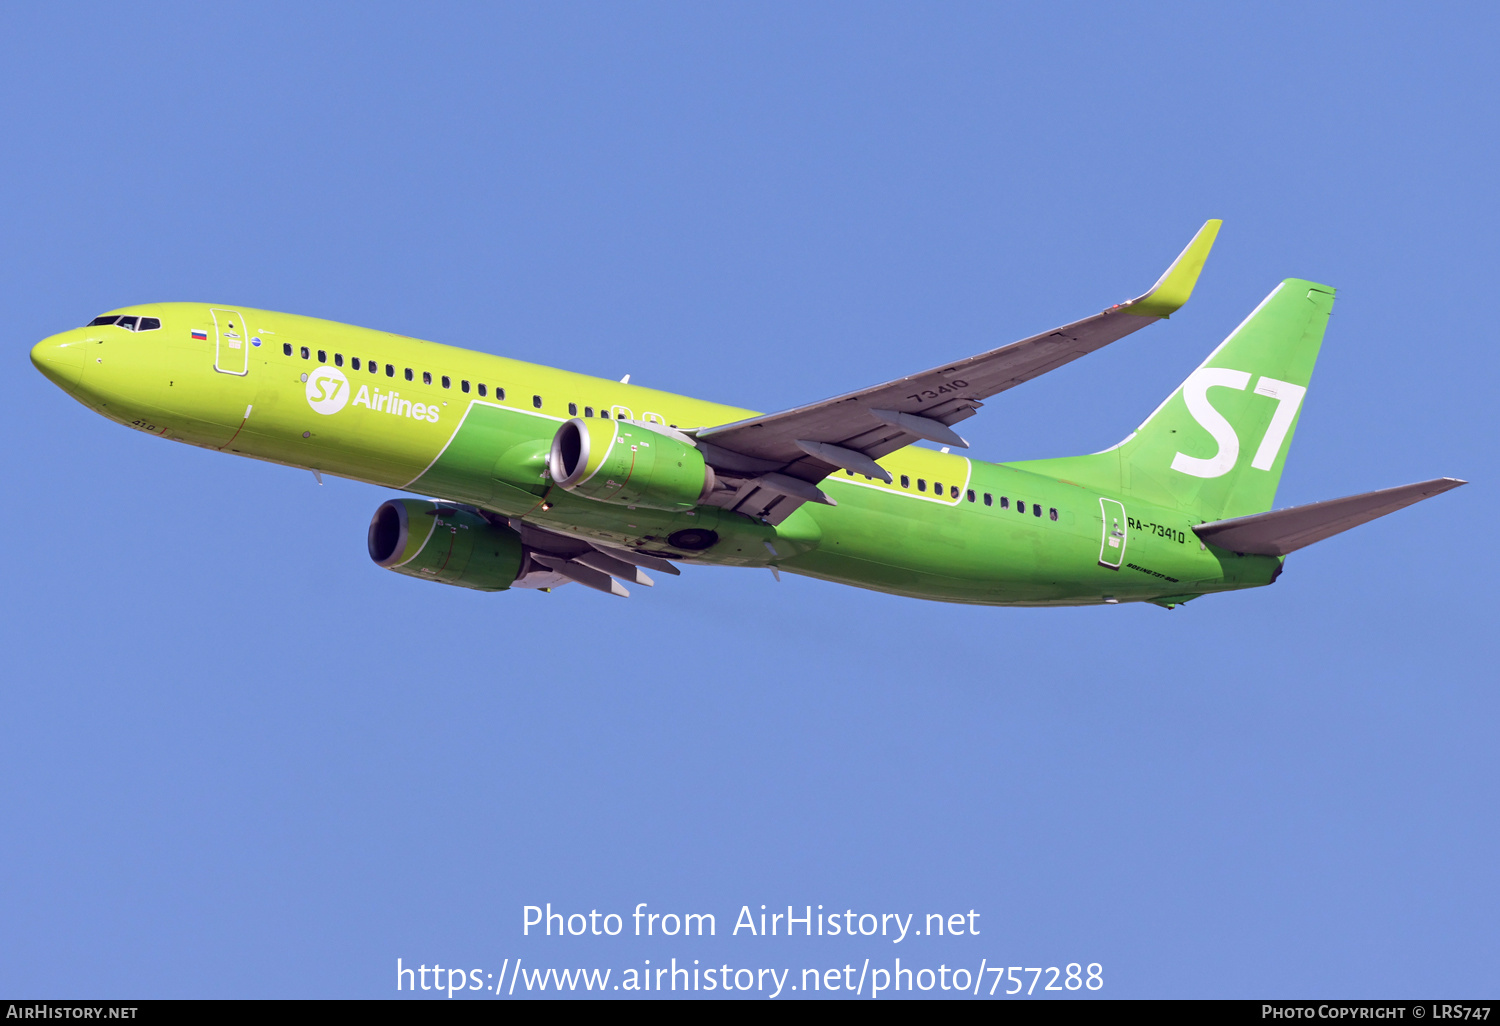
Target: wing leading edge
{"x": 755, "y": 457}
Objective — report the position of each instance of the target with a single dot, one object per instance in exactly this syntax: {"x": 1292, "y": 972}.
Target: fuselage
{"x": 474, "y": 428}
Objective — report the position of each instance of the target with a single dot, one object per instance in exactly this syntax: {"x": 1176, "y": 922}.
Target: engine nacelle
{"x": 624, "y": 463}
{"x": 439, "y": 542}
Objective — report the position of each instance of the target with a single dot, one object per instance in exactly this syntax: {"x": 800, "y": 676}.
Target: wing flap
{"x": 584, "y": 575}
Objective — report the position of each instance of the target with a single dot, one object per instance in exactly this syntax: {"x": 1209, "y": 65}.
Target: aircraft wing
{"x": 769, "y": 465}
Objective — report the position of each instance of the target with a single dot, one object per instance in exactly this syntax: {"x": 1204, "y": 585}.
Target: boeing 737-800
{"x": 523, "y": 476}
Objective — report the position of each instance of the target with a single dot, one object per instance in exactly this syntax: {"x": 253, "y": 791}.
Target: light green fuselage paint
{"x": 407, "y": 414}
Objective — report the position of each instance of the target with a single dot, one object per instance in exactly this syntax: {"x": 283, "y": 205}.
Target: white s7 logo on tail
{"x": 1195, "y": 394}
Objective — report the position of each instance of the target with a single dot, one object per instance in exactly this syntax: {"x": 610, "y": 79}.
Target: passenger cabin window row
{"x": 969, "y": 494}
{"x": 130, "y": 322}
{"x": 373, "y": 366}
{"x": 464, "y": 385}
{"x": 937, "y": 487}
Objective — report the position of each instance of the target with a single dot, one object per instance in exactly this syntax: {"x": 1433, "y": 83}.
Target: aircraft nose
{"x": 60, "y": 360}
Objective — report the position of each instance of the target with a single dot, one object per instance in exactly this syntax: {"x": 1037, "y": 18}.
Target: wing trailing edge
{"x": 876, "y": 421}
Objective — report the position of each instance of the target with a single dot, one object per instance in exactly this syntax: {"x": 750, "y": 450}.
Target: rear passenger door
{"x": 232, "y": 342}
{"x": 1116, "y": 534}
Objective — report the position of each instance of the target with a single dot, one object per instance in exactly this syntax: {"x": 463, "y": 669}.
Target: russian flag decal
{"x": 200, "y": 335}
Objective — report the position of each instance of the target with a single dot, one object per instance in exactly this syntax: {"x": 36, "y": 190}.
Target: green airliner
{"x": 539, "y": 477}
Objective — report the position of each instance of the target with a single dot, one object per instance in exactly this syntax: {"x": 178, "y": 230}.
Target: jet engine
{"x": 629, "y": 464}
{"x": 441, "y": 542}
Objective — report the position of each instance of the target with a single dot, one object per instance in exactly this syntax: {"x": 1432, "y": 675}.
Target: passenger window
{"x": 481, "y": 390}
{"x": 338, "y": 359}
{"x": 988, "y": 499}
{"x": 572, "y": 409}
{"x": 463, "y": 386}
{"x": 588, "y": 411}
{"x": 937, "y": 488}
{"x": 374, "y": 367}
{"x": 409, "y": 375}
{"x": 322, "y": 356}
{"x": 390, "y": 370}
{"x": 953, "y": 492}
{"x": 499, "y": 392}
{"x": 604, "y": 414}
{"x": 1036, "y": 510}
{"x": 128, "y": 323}
{"x": 106, "y": 319}
{"x": 849, "y": 472}
{"x": 1020, "y": 507}
{"x": 536, "y": 401}
{"x": 971, "y": 495}
{"x": 286, "y": 350}
{"x": 905, "y": 481}
{"x": 921, "y": 484}
{"x": 1004, "y": 502}
{"x": 1052, "y": 513}
{"x": 427, "y": 377}
{"x": 447, "y": 382}
{"x": 149, "y": 324}
{"x": 305, "y": 353}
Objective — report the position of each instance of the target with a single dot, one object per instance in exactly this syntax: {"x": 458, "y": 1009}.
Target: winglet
{"x": 1174, "y": 287}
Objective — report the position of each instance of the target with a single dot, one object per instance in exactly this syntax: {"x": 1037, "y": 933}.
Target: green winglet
{"x": 1175, "y": 287}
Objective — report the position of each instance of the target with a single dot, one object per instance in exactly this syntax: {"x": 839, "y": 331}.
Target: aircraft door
{"x": 1116, "y": 533}
{"x": 232, "y": 345}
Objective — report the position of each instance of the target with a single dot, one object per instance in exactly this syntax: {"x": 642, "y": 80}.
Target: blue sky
{"x": 240, "y": 760}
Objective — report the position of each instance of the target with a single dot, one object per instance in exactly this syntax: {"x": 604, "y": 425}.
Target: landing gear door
{"x": 1116, "y": 530}
{"x": 232, "y": 352}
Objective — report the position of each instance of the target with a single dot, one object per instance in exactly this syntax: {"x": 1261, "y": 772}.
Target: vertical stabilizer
{"x": 1217, "y": 445}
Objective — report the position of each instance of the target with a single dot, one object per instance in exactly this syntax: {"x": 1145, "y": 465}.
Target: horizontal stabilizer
{"x": 1287, "y": 530}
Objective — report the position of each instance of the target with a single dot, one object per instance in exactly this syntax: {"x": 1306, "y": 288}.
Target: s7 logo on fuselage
{"x": 327, "y": 390}
{"x": 1195, "y": 395}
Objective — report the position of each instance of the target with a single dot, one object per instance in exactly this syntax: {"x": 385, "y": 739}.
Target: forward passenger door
{"x": 232, "y": 342}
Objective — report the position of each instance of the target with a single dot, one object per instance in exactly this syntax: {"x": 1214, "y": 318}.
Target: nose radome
{"x": 60, "y": 359}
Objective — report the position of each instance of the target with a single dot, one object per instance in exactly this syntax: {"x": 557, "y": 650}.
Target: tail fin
{"x": 1217, "y": 445}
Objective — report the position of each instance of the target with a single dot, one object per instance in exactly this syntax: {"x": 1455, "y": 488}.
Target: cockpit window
{"x": 128, "y": 322}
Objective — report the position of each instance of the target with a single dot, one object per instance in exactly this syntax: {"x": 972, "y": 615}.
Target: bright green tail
{"x": 1216, "y": 447}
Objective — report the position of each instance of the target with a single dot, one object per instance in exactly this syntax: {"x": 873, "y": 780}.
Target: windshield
{"x": 130, "y": 322}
